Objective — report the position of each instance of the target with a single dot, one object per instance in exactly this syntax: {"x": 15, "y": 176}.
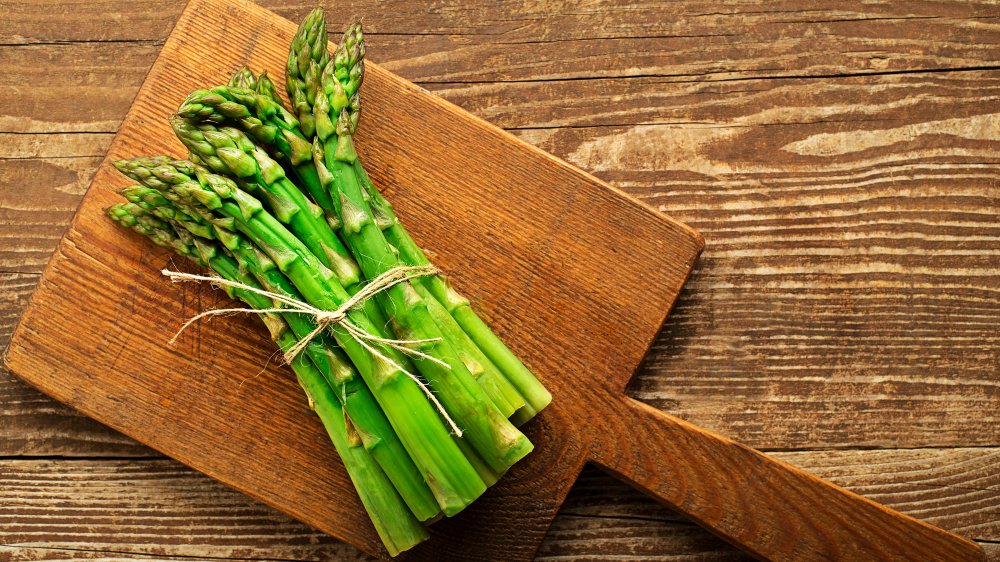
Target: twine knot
{"x": 325, "y": 319}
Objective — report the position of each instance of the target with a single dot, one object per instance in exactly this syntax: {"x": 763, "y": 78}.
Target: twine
{"x": 327, "y": 318}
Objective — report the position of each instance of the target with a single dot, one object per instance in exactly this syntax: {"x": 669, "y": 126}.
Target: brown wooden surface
{"x": 847, "y": 295}
{"x": 577, "y": 275}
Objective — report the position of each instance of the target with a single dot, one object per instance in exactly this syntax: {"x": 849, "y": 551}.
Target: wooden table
{"x": 840, "y": 158}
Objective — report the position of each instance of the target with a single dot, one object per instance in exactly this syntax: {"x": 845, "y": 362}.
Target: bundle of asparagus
{"x": 420, "y": 398}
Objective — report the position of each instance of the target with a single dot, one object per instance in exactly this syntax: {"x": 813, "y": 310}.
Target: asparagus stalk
{"x": 266, "y": 88}
{"x": 376, "y": 433}
{"x": 497, "y": 441}
{"x": 307, "y": 53}
{"x": 306, "y": 58}
{"x": 395, "y": 524}
{"x": 449, "y": 474}
{"x": 226, "y": 150}
{"x": 264, "y": 119}
{"x": 243, "y": 78}
{"x": 535, "y": 395}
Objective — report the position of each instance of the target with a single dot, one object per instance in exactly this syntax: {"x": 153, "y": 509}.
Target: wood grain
{"x": 699, "y": 40}
{"x": 88, "y": 60}
{"x": 526, "y": 277}
{"x": 567, "y": 241}
{"x": 157, "y": 507}
{"x": 32, "y": 423}
{"x": 33, "y": 221}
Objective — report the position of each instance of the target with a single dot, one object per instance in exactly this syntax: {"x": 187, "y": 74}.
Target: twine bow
{"x": 325, "y": 319}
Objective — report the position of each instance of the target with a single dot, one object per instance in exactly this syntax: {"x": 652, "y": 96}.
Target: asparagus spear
{"x": 267, "y": 121}
{"x": 243, "y": 78}
{"x": 305, "y": 55}
{"x": 376, "y": 433}
{"x": 393, "y": 521}
{"x": 498, "y": 442}
{"x": 306, "y": 58}
{"x": 451, "y": 478}
{"x": 535, "y": 395}
{"x": 266, "y": 88}
{"x": 226, "y": 150}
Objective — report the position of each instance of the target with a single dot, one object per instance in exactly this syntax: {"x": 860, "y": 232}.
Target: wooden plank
{"x": 147, "y": 508}
{"x": 32, "y": 220}
{"x": 643, "y": 182}
{"x": 76, "y": 87}
{"x": 510, "y": 21}
{"x": 555, "y": 42}
{"x": 77, "y": 98}
{"x": 546, "y": 253}
{"x": 855, "y": 251}
{"x": 158, "y": 507}
{"x": 34, "y": 424}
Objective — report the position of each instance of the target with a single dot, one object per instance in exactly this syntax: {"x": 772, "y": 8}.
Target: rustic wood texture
{"x": 878, "y": 312}
{"x": 158, "y": 507}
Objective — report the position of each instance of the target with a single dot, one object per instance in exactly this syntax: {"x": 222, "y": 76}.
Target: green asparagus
{"x": 307, "y": 56}
{"x": 487, "y": 349}
{"x": 452, "y": 479}
{"x": 498, "y": 442}
{"x": 377, "y": 434}
{"x": 394, "y": 522}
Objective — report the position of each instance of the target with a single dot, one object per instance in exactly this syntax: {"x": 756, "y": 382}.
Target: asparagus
{"x": 226, "y": 150}
{"x": 306, "y": 58}
{"x": 535, "y": 395}
{"x": 243, "y": 78}
{"x": 376, "y": 433}
{"x": 489, "y": 432}
{"x": 393, "y": 521}
{"x": 264, "y": 119}
{"x": 449, "y": 474}
{"x": 266, "y": 88}
{"x": 309, "y": 52}
{"x": 220, "y": 152}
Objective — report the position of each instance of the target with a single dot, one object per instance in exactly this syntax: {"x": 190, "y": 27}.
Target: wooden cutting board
{"x": 574, "y": 275}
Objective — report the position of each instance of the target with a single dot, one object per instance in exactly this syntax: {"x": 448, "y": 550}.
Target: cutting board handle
{"x": 764, "y": 505}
